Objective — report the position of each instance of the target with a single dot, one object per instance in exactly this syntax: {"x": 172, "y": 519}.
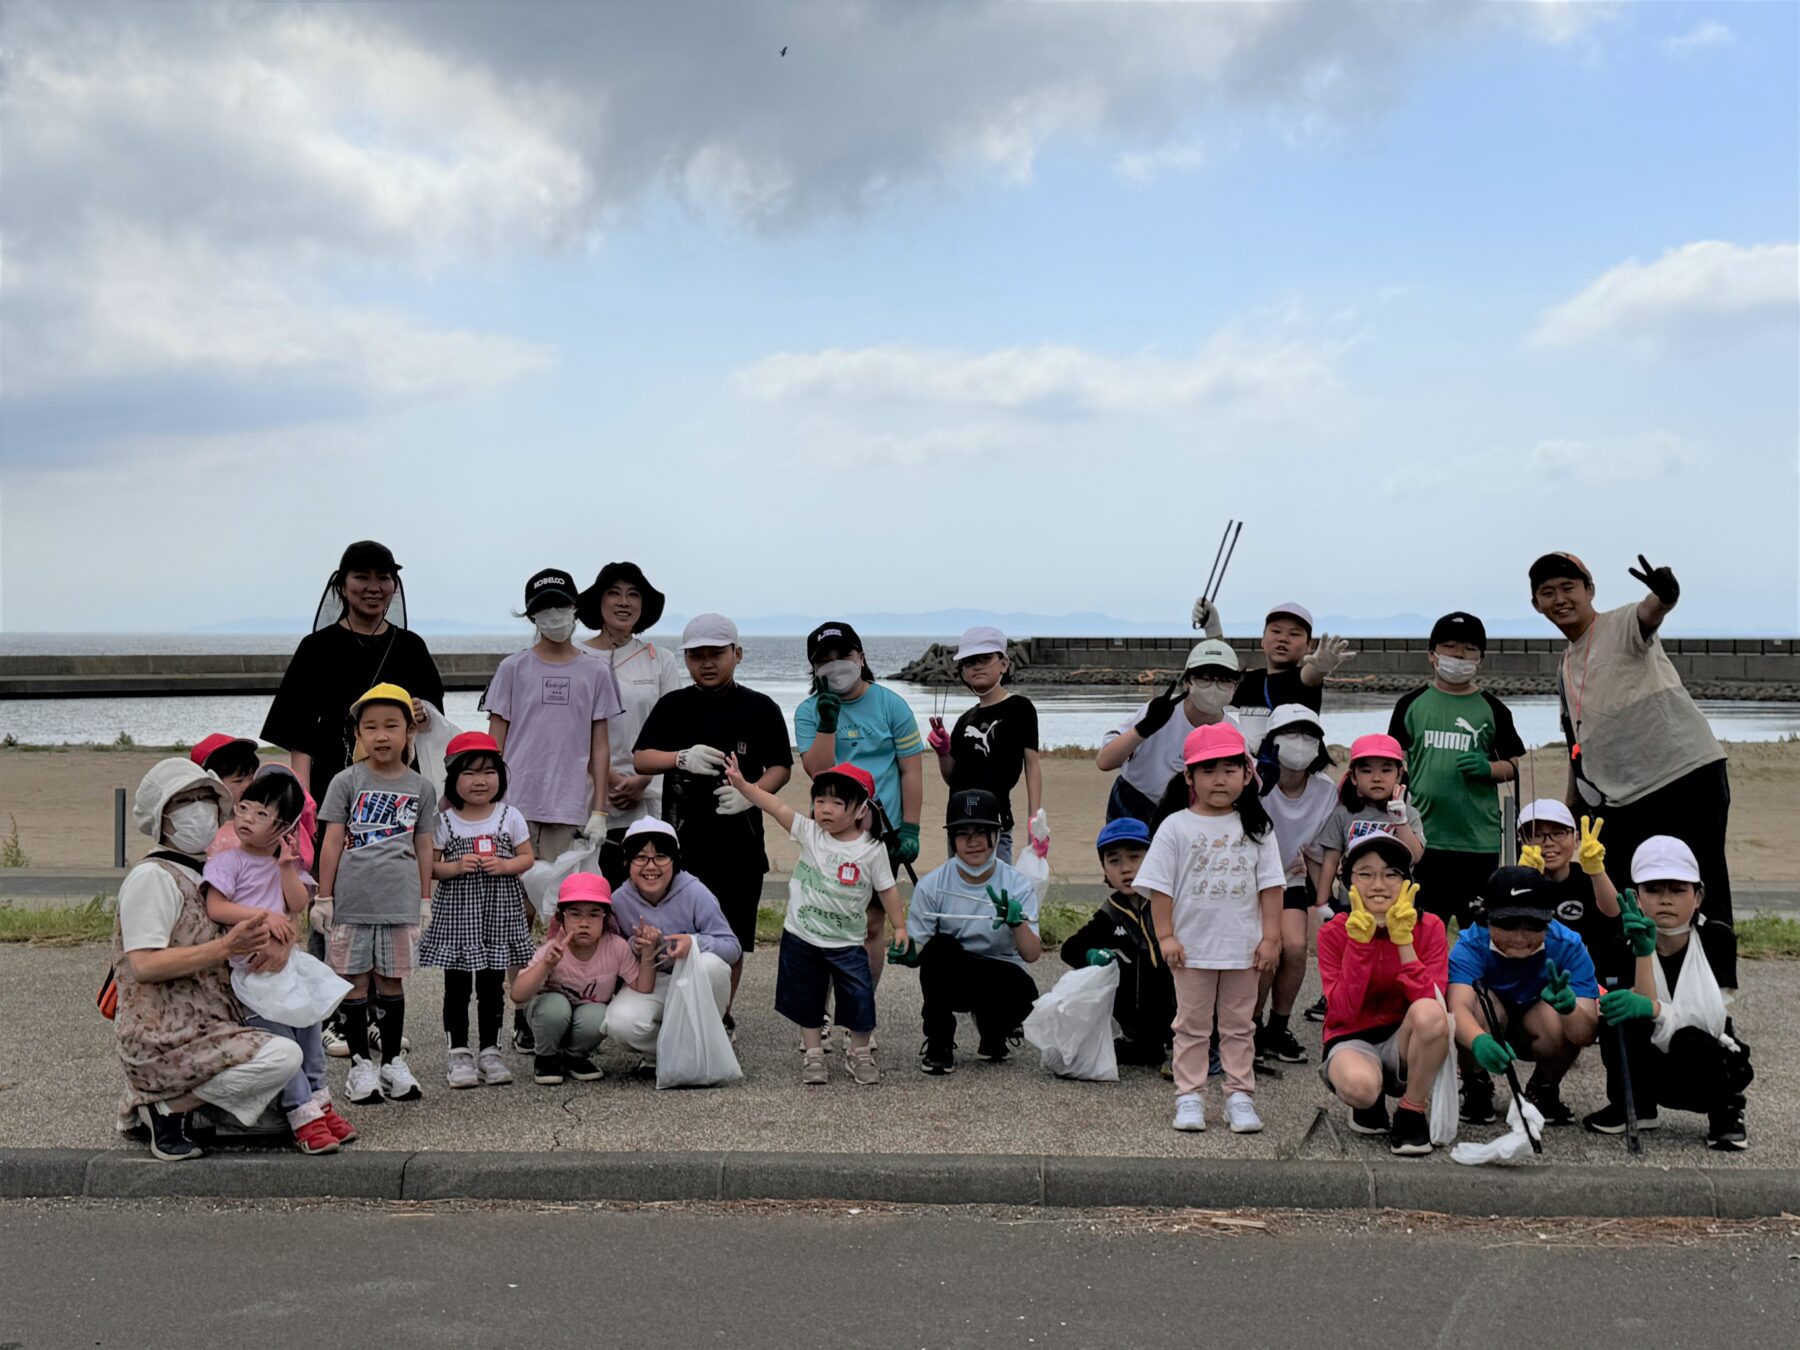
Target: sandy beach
{"x": 61, "y": 803}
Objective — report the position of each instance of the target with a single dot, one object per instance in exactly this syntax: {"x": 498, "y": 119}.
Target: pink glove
{"x": 937, "y": 738}
{"x": 1041, "y": 847}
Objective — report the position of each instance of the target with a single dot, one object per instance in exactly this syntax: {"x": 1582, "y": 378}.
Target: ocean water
{"x": 1067, "y": 715}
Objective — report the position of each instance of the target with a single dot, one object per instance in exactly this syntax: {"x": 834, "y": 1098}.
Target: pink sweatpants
{"x": 1196, "y": 993}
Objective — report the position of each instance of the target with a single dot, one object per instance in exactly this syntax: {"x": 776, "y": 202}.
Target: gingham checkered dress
{"x": 477, "y": 921}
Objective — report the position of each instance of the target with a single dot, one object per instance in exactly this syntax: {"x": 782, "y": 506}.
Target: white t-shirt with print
{"x": 643, "y": 673}
{"x": 833, "y": 883}
{"x": 1215, "y": 875}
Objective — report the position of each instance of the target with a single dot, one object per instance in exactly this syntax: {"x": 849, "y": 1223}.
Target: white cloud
{"x": 1143, "y": 167}
{"x": 1705, "y": 36}
{"x": 1701, "y": 292}
{"x": 1650, "y": 455}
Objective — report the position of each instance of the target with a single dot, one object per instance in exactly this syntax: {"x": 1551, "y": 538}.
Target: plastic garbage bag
{"x": 1033, "y": 861}
{"x": 1071, "y": 1026}
{"x": 302, "y": 993}
{"x": 1509, "y": 1147}
{"x": 1696, "y": 1002}
{"x": 693, "y": 1049}
{"x": 542, "y": 879}
{"x": 431, "y": 741}
{"x": 1444, "y": 1115}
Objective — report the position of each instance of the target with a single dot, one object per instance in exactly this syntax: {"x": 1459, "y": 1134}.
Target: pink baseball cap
{"x": 1217, "y": 740}
{"x": 584, "y": 888}
{"x": 1377, "y": 747}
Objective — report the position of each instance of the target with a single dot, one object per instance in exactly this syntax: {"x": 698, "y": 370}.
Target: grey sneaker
{"x": 493, "y": 1067}
{"x": 459, "y": 1069}
{"x": 1241, "y": 1112}
{"x": 813, "y": 1072}
{"x": 862, "y": 1067}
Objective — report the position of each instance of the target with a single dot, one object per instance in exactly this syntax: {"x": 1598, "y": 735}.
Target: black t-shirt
{"x": 1573, "y": 900}
{"x": 1716, "y": 944}
{"x": 988, "y": 746}
{"x": 328, "y": 671}
{"x": 1268, "y": 690}
{"x": 738, "y": 721}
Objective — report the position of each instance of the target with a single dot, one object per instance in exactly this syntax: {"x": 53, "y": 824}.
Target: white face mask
{"x": 1297, "y": 752}
{"x": 555, "y": 625}
{"x": 840, "y": 677}
{"x": 1509, "y": 956}
{"x": 191, "y": 827}
{"x": 1456, "y": 670}
{"x": 1209, "y": 697}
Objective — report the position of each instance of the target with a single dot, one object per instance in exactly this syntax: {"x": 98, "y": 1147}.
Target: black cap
{"x": 833, "y": 633}
{"x": 1553, "y": 565}
{"x": 973, "y": 806}
{"x": 365, "y": 555}
{"x": 550, "y": 587}
{"x": 1459, "y": 627}
{"x": 1381, "y": 841}
{"x": 1518, "y": 893}
{"x": 587, "y": 604}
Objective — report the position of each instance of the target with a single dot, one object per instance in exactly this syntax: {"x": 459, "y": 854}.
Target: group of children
{"x": 1229, "y": 852}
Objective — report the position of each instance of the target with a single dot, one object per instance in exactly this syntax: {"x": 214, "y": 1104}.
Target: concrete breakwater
{"x": 1713, "y": 668}
{"x": 1721, "y": 668}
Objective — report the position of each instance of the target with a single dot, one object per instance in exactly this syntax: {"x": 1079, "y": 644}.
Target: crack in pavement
{"x": 568, "y": 1105}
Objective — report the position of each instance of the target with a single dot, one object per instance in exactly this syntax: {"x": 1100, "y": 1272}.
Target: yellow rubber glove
{"x": 1532, "y": 856}
{"x": 1402, "y": 915}
{"x": 1591, "y": 853}
{"x": 1360, "y": 926}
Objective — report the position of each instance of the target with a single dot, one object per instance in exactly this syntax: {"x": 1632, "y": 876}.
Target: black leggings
{"x": 490, "y": 994}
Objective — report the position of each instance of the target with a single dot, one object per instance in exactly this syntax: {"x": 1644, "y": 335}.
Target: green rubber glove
{"x": 1491, "y": 1054}
{"x": 903, "y": 953}
{"x": 1625, "y": 1005}
{"x": 829, "y": 706}
{"x": 1101, "y": 956}
{"x": 906, "y": 844}
{"x": 1556, "y": 991}
{"x": 1474, "y": 764}
{"x": 1639, "y": 927}
{"x": 1008, "y": 912}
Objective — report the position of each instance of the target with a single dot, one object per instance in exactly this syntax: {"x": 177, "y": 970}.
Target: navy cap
{"x": 1459, "y": 627}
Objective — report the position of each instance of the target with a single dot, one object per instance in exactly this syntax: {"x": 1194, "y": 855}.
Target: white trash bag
{"x": 430, "y": 744}
{"x": 1029, "y": 861}
{"x": 543, "y": 879}
{"x": 1509, "y": 1147}
{"x": 1071, "y": 1026}
{"x": 302, "y": 993}
{"x": 693, "y": 1049}
{"x": 1697, "y": 1001}
{"x": 1444, "y": 1114}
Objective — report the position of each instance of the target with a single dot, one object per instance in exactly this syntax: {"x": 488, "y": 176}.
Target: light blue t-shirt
{"x": 874, "y": 733}
{"x": 945, "y": 902}
{"x": 1518, "y": 982}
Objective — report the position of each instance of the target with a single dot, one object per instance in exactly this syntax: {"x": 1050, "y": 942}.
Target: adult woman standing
{"x": 620, "y": 605}
{"x": 359, "y": 639}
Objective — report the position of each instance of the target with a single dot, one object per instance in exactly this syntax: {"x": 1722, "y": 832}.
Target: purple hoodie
{"x": 687, "y": 907}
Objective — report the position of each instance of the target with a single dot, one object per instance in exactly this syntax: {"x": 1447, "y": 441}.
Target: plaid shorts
{"x": 385, "y": 948}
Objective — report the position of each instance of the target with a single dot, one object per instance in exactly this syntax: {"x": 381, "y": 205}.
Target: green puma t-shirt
{"x": 1461, "y": 815}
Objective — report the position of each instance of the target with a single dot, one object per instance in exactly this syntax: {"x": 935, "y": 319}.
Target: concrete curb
{"x": 920, "y": 1179}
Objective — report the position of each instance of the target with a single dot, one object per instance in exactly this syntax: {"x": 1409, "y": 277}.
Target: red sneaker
{"x": 341, "y": 1130}
{"x": 316, "y": 1137}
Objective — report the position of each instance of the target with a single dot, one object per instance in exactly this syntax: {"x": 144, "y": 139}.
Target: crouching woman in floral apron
{"x": 181, "y": 1039}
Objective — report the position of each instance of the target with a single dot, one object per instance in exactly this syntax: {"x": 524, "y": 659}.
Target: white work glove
{"x": 701, "y": 759}
{"x": 730, "y": 801}
{"x": 1206, "y": 616}
{"x": 596, "y": 825}
{"x": 1396, "y": 807}
{"x": 1331, "y": 653}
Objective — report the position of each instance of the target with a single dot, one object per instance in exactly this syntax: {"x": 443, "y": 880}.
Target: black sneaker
{"x": 547, "y": 1069}
{"x": 730, "y": 1024}
{"x": 1279, "y": 1043}
{"x": 524, "y": 1042}
{"x": 169, "y": 1139}
{"x": 1550, "y": 1105}
{"x": 992, "y": 1049}
{"x": 1610, "y": 1119}
{"x": 1478, "y": 1099}
{"x": 1411, "y": 1135}
{"x": 581, "y": 1069}
{"x": 1316, "y": 1013}
{"x": 1725, "y": 1130}
{"x": 1371, "y": 1119}
{"x": 937, "y": 1057}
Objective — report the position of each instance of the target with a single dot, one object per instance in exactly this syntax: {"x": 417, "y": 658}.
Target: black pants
{"x": 951, "y": 980}
{"x": 490, "y": 1015}
{"x": 1696, "y": 1073}
{"x": 1450, "y": 883}
{"x": 1125, "y": 800}
{"x": 1693, "y": 809}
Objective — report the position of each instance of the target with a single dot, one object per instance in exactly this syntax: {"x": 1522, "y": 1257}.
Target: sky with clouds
{"x": 956, "y": 304}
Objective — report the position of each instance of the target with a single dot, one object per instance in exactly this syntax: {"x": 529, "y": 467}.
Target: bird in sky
{"x": 784, "y": 51}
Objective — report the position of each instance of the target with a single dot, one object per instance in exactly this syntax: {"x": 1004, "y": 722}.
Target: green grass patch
{"x": 91, "y": 922}
{"x": 1769, "y": 936}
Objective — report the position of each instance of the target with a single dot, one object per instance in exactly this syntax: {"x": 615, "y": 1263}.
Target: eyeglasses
{"x": 1385, "y": 874}
{"x": 651, "y": 859}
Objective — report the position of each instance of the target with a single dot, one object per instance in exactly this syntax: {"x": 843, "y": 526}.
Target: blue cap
{"x": 1124, "y": 830}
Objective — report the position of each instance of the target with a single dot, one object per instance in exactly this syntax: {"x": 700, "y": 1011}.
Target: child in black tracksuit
{"x": 1121, "y": 931}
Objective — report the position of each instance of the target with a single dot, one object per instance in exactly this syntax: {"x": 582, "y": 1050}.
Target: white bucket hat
{"x": 166, "y": 778}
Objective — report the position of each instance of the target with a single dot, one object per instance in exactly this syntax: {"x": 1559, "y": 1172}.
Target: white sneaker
{"x": 398, "y": 1083}
{"x": 493, "y": 1068}
{"x": 459, "y": 1069}
{"x": 1241, "y": 1111}
{"x": 335, "y": 1045}
{"x": 364, "y": 1084}
{"x": 1190, "y": 1113}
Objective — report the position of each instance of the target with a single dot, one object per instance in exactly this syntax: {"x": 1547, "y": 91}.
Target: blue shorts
{"x": 805, "y": 974}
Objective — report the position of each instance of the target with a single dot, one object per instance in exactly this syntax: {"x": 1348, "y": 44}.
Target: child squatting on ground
{"x": 1123, "y": 931}
{"x": 1214, "y": 878}
{"x": 374, "y": 878}
{"x": 841, "y": 868}
{"x": 480, "y": 919}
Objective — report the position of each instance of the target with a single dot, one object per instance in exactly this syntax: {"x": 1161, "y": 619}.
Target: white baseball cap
{"x": 1212, "y": 652}
{"x": 709, "y": 630}
{"x": 1292, "y": 609}
{"x": 1548, "y": 810}
{"x": 1663, "y": 857}
{"x": 649, "y": 825}
{"x": 1294, "y": 714}
{"x": 981, "y": 642}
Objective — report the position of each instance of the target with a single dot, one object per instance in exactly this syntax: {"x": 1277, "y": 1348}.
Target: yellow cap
{"x": 384, "y": 693}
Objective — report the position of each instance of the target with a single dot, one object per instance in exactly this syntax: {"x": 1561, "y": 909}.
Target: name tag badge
{"x": 484, "y": 846}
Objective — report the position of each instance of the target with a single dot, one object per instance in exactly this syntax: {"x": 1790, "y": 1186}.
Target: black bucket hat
{"x": 587, "y": 604}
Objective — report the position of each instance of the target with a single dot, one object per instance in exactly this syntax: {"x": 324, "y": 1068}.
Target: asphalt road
{"x": 197, "y": 1274}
